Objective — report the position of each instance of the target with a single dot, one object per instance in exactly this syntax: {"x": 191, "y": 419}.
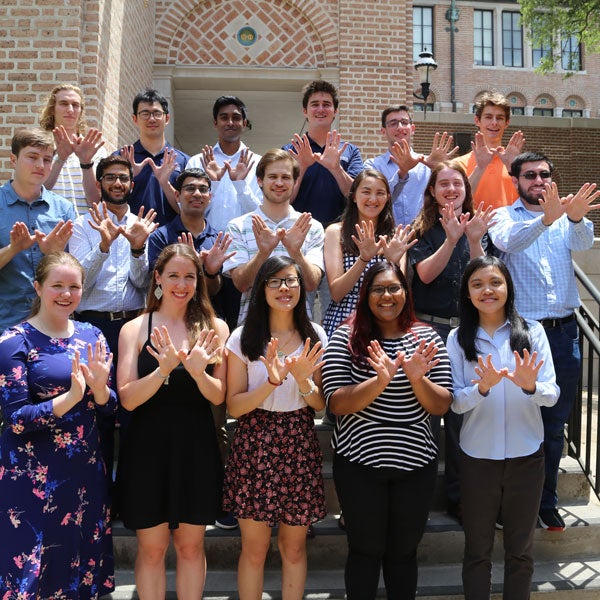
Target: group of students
{"x": 384, "y": 363}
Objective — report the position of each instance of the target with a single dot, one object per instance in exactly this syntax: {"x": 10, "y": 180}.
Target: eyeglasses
{"x": 192, "y": 189}
{"x": 380, "y": 290}
{"x": 532, "y": 175}
{"x": 155, "y": 114}
{"x": 398, "y": 123}
{"x": 277, "y": 282}
{"x": 112, "y": 178}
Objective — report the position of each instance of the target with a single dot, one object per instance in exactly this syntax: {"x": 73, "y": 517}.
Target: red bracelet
{"x": 273, "y": 383}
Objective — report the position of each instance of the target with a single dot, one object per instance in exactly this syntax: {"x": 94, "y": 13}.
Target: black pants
{"x": 515, "y": 486}
{"x": 385, "y": 510}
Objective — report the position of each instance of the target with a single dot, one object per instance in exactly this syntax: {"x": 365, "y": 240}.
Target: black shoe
{"x": 454, "y": 510}
{"x": 342, "y": 522}
{"x": 550, "y": 519}
{"x": 227, "y": 522}
{"x": 499, "y": 521}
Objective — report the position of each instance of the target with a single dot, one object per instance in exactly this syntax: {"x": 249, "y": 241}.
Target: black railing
{"x": 584, "y": 424}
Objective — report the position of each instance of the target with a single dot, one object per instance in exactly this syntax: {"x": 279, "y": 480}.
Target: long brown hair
{"x": 430, "y": 213}
{"x": 47, "y": 117}
{"x": 199, "y": 313}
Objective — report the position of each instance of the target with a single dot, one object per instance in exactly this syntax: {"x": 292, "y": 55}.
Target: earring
{"x": 158, "y": 293}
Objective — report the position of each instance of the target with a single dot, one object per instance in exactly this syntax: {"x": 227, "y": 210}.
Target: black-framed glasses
{"x": 398, "y": 123}
{"x": 113, "y": 177}
{"x": 192, "y": 189}
{"x": 380, "y": 290}
{"x": 146, "y": 114}
{"x": 277, "y": 282}
{"x": 532, "y": 175}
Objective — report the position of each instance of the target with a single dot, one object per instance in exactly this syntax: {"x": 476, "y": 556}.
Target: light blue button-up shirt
{"x": 539, "y": 259}
{"x": 507, "y": 423}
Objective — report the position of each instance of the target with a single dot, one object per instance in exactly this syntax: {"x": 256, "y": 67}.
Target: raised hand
{"x": 526, "y": 370}
{"x": 483, "y": 155}
{"x": 206, "y": 350}
{"x": 365, "y": 241}
{"x": 330, "y": 158}
{"x": 579, "y": 205}
{"x": 513, "y": 149}
{"x": 397, "y": 246}
{"x": 162, "y": 350}
{"x": 137, "y": 233}
{"x": 77, "y": 388}
{"x": 453, "y": 226}
{"x": 214, "y": 259}
{"x": 553, "y": 206}
{"x": 488, "y": 375}
{"x": 128, "y": 152}
{"x": 57, "y": 239}
{"x": 294, "y": 237}
{"x": 97, "y": 370}
{"x": 441, "y": 149}
{"x": 266, "y": 238}
{"x": 277, "y": 370}
{"x": 85, "y": 147}
{"x": 422, "y": 360}
{"x": 63, "y": 142}
{"x": 20, "y": 238}
{"x": 479, "y": 223}
{"x": 302, "y": 151}
{"x": 164, "y": 171}
{"x": 210, "y": 165}
{"x": 401, "y": 154}
{"x": 243, "y": 166}
{"x": 385, "y": 368}
{"x": 304, "y": 365}
{"x": 102, "y": 223}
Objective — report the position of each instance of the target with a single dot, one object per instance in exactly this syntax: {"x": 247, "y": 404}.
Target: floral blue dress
{"x": 55, "y": 538}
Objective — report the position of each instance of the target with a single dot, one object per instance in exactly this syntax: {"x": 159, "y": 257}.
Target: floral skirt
{"x": 273, "y": 473}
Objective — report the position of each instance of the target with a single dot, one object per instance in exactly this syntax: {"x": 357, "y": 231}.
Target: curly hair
{"x": 430, "y": 212}
{"x": 47, "y": 116}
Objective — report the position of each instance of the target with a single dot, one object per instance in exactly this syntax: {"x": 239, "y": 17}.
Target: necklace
{"x": 285, "y": 343}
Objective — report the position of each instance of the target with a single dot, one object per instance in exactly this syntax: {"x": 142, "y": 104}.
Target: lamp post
{"x": 424, "y": 65}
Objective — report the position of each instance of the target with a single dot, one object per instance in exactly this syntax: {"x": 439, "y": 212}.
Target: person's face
{"x": 230, "y": 123}
{"x": 32, "y": 165}
{"x": 386, "y": 297}
{"x": 370, "y": 197}
{"x": 119, "y": 190}
{"x": 278, "y": 182}
{"x": 319, "y": 110}
{"x": 61, "y": 291}
{"x": 530, "y": 190}
{"x": 178, "y": 280}
{"x": 492, "y": 124}
{"x": 194, "y": 196}
{"x": 449, "y": 187}
{"x": 487, "y": 291}
{"x": 398, "y": 126}
{"x": 285, "y": 296}
{"x": 150, "y": 119}
{"x": 67, "y": 109}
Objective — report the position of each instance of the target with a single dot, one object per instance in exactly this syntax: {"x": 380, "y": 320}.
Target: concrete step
{"x": 575, "y": 580}
{"x": 442, "y": 543}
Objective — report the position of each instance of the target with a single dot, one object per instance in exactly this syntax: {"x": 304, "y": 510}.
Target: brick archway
{"x": 300, "y": 34}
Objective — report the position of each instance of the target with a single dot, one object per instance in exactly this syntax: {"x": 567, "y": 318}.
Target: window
{"x": 512, "y": 40}
{"x": 543, "y": 112}
{"x": 422, "y": 30}
{"x": 484, "y": 37}
{"x": 420, "y": 106}
{"x": 572, "y": 113}
{"x": 539, "y": 52}
{"x": 517, "y": 110}
{"x": 570, "y": 57}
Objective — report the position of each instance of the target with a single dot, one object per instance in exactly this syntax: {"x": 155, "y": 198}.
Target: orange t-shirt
{"x": 495, "y": 187}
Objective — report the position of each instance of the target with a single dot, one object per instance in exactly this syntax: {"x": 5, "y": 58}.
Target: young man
{"x": 77, "y": 152}
{"x": 35, "y": 222}
{"x": 156, "y": 164}
{"x": 406, "y": 171}
{"x": 535, "y": 237}
{"x": 274, "y": 228}
{"x": 231, "y": 167}
{"x": 488, "y": 164}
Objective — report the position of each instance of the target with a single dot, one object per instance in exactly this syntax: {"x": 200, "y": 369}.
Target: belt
{"x": 452, "y": 321}
{"x": 117, "y": 315}
{"x": 551, "y": 323}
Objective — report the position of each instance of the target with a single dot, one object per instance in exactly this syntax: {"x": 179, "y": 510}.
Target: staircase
{"x": 567, "y": 563}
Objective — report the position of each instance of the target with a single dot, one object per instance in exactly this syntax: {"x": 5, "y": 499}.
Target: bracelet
{"x": 571, "y": 220}
{"x": 361, "y": 258}
{"x": 209, "y": 275}
{"x": 137, "y": 252}
{"x": 165, "y": 378}
{"x": 86, "y": 165}
{"x": 273, "y": 383}
{"x": 313, "y": 389}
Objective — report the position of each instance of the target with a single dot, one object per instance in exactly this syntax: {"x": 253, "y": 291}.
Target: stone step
{"x": 442, "y": 543}
{"x": 575, "y": 580}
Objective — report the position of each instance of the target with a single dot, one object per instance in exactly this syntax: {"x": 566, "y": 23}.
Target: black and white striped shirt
{"x": 394, "y": 430}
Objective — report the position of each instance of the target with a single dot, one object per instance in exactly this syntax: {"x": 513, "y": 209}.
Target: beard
{"x": 110, "y": 200}
{"x": 529, "y": 198}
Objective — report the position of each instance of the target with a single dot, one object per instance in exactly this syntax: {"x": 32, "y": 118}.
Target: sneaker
{"x": 227, "y": 522}
{"x": 550, "y": 519}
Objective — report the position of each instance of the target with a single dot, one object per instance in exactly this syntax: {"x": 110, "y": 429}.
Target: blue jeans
{"x": 564, "y": 344}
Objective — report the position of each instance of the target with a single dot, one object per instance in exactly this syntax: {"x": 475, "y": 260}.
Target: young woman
{"x": 170, "y": 472}
{"x": 450, "y": 232}
{"x": 365, "y": 235}
{"x": 273, "y": 475}
{"x": 54, "y": 508}
{"x": 503, "y": 373}
{"x": 384, "y": 375}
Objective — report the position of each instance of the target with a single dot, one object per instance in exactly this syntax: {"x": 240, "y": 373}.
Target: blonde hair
{"x": 47, "y": 116}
